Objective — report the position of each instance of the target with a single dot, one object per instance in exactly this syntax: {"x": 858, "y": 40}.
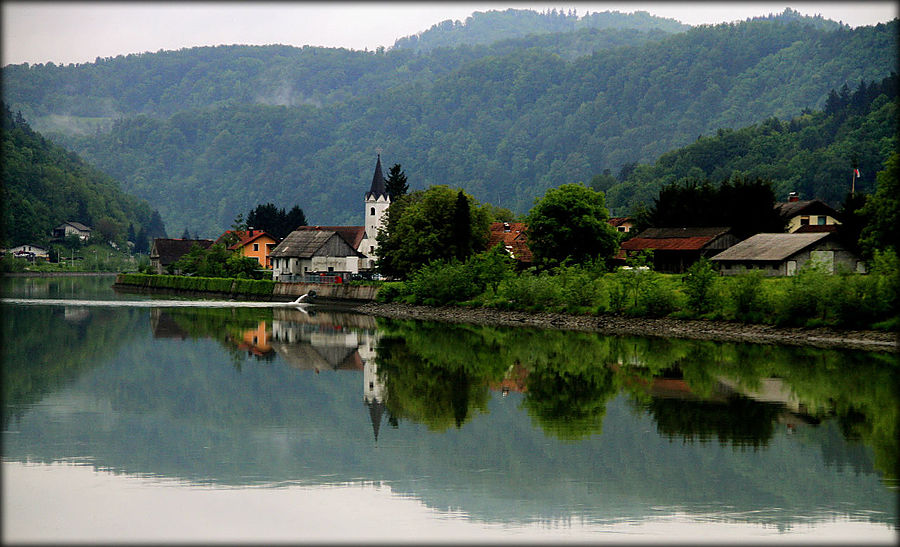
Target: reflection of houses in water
{"x": 730, "y": 412}
{"x": 332, "y": 341}
{"x": 256, "y": 341}
{"x": 72, "y": 313}
{"x": 514, "y": 380}
{"x": 164, "y": 325}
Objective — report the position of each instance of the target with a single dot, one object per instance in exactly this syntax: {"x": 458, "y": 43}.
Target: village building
{"x": 255, "y": 244}
{"x": 304, "y": 253}
{"x": 29, "y": 252}
{"x": 165, "y": 252}
{"x": 676, "y": 249}
{"x": 622, "y": 225}
{"x": 784, "y": 254}
{"x": 797, "y": 214}
{"x": 69, "y": 228}
{"x": 513, "y": 237}
{"x": 339, "y": 251}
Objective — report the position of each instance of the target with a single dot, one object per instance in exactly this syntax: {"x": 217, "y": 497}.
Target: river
{"x": 128, "y": 418}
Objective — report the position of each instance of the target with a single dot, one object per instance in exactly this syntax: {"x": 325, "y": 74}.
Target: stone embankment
{"x": 670, "y": 328}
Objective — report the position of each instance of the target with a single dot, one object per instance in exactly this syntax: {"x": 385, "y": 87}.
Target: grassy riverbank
{"x": 813, "y": 298}
{"x": 214, "y": 285}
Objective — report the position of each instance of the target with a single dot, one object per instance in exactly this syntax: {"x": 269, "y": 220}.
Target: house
{"x": 798, "y": 213}
{"x": 512, "y": 235}
{"x": 312, "y": 250}
{"x": 621, "y": 224}
{"x": 256, "y": 244}
{"x": 784, "y": 254}
{"x": 68, "y": 228}
{"x": 29, "y": 252}
{"x": 355, "y": 236}
{"x": 307, "y": 252}
{"x": 676, "y": 249}
{"x": 165, "y": 252}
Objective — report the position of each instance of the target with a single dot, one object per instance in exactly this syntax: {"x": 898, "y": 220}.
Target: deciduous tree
{"x": 569, "y": 222}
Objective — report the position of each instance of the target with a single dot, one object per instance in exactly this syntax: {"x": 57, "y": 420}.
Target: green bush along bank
{"x": 812, "y": 298}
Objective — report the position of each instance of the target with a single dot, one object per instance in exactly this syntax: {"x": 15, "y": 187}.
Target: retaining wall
{"x": 330, "y": 293}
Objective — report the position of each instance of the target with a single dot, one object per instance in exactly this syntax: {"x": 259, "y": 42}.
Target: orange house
{"x": 254, "y": 244}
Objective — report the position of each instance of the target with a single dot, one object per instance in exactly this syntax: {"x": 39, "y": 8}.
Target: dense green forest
{"x": 813, "y": 154}
{"x": 44, "y": 185}
{"x": 495, "y": 26}
{"x": 220, "y": 130}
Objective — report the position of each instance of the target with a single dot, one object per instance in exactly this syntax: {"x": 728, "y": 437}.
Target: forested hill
{"x": 44, "y": 186}
{"x": 504, "y": 121}
{"x": 813, "y": 154}
{"x": 494, "y": 26}
{"x": 79, "y": 98}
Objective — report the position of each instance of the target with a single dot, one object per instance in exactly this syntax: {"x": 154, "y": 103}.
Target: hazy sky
{"x": 77, "y": 32}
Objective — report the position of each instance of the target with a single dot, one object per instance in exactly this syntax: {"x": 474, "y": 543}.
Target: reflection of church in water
{"x": 332, "y": 341}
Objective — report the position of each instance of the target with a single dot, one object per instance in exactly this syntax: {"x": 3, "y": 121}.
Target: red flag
{"x": 856, "y": 172}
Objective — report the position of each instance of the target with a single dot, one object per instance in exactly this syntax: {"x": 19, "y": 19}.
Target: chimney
{"x": 793, "y": 196}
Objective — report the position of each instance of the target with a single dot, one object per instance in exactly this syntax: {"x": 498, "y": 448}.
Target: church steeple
{"x": 377, "y": 189}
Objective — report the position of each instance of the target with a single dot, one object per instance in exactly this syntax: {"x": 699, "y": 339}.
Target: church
{"x": 334, "y": 251}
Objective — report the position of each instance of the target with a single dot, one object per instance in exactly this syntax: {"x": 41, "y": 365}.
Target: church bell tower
{"x": 377, "y": 203}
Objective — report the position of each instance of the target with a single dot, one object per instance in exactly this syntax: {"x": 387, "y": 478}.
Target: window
{"x": 804, "y": 221}
{"x": 621, "y": 228}
{"x": 371, "y": 250}
{"x": 372, "y": 212}
{"x": 256, "y": 246}
{"x": 822, "y": 220}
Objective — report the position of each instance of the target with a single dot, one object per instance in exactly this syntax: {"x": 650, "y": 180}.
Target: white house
{"x": 29, "y": 252}
{"x": 313, "y": 250}
{"x": 68, "y": 228}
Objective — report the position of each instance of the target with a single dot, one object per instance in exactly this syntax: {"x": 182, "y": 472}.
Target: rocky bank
{"x": 669, "y": 328}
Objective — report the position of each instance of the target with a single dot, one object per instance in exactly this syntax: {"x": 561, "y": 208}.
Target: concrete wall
{"x": 325, "y": 293}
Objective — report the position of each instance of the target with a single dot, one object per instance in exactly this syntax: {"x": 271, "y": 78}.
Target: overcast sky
{"x": 77, "y": 32}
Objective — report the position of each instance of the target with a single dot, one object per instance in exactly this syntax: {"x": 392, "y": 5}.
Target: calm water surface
{"x": 141, "y": 422}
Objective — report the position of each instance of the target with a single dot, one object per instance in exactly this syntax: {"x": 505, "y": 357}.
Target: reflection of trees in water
{"x": 43, "y": 351}
{"x": 738, "y": 421}
{"x": 438, "y": 374}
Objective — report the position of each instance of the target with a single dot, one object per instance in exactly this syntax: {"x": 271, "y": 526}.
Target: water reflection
{"x": 503, "y": 425}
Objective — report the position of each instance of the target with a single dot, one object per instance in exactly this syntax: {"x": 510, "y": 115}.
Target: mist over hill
{"x": 206, "y": 133}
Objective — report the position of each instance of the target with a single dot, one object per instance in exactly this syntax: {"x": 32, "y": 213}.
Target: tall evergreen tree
{"x": 294, "y": 218}
{"x": 462, "y": 227}
{"x": 396, "y": 185}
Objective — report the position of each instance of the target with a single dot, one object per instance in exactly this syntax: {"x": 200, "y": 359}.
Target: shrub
{"x": 746, "y": 296}
{"x": 531, "y": 291}
{"x": 699, "y": 286}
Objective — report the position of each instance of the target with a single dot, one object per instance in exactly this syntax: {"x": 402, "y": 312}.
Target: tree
{"x": 396, "y": 185}
{"x": 419, "y": 228}
{"x": 216, "y": 261}
{"x": 882, "y": 233}
{"x": 462, "y": 227}
{"x": 292, "y": 221}
{"x": 141, "y": 241}
{"x": 276, "y": 222}
{"x": 186, "y": 234}
{"x": 569, "y": 222}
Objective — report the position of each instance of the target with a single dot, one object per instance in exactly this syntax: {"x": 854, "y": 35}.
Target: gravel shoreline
{"x": 670, "y": 328}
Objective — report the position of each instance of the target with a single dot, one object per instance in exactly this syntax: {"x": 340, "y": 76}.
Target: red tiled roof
{"x": 245, "y": 237}
{"x": 514, "y": 239}
{"x": 674, "y": 239}
{"x": 669, "y": 244}
{"x": 618, "y": 221}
